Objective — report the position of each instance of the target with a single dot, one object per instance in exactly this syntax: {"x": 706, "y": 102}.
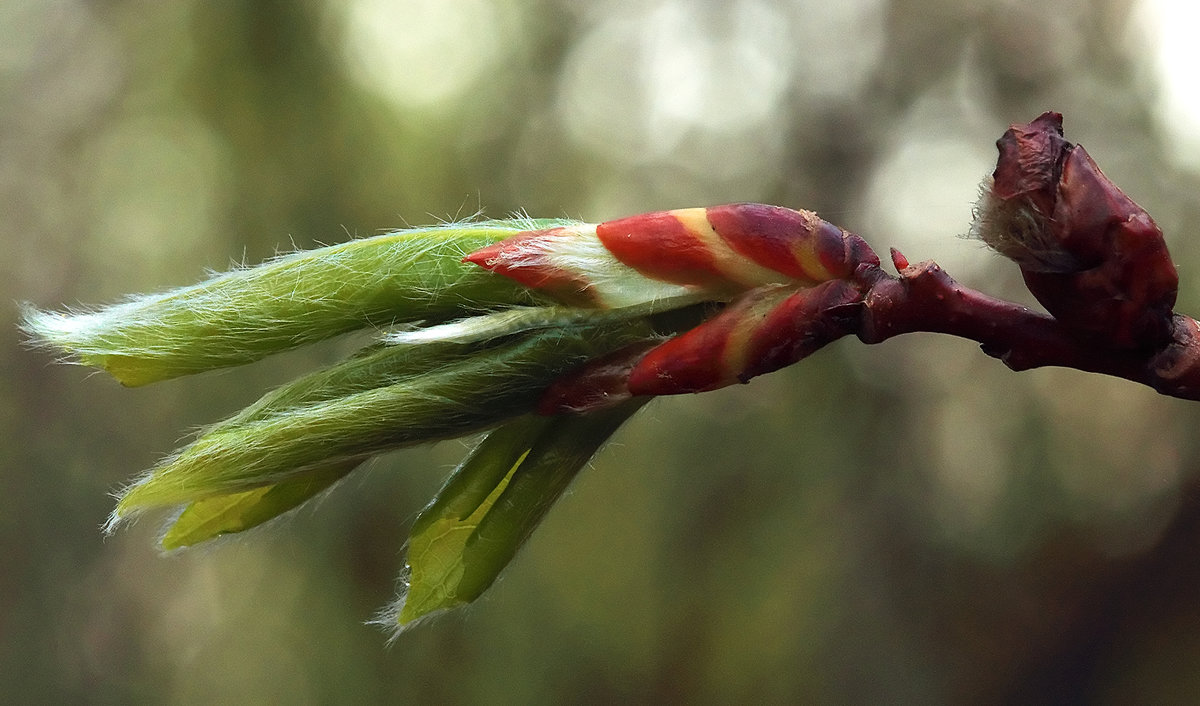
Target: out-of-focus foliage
{"x": 909, "y": 522}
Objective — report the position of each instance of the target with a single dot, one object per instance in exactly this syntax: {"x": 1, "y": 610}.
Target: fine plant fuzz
{"x": 1019, "y": 232}
{"x": 389, "y": 407}
{"x": 302, "y": 297}
{"x": 550, "y": 334}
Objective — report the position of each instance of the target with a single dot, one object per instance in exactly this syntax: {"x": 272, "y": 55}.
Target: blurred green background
{"x": 905, "y": 523}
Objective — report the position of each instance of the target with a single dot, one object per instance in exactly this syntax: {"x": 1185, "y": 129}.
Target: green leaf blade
{"x": 211, "y": 517}
{"x": 441, "y": 532}
{"x": 344, "y": 417}
{"x": 247, "y": 314}
{"x": 489, "y": 507}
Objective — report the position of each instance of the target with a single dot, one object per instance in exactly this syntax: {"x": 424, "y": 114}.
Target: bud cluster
{"x": 551, "y": 333}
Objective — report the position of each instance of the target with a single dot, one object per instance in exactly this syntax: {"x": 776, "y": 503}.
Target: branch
{"x": 925, "y": 298}
{"x": 551, "y": 333}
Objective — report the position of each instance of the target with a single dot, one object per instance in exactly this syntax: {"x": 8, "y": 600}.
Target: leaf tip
{"x": 116, "y": 519}
{"x": 398, "y": 616}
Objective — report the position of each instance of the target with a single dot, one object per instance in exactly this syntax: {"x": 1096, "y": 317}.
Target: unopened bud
{"x": 1091, "y": 256}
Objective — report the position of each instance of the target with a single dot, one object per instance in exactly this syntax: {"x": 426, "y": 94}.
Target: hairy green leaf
{"x": 487, "y": 509}
{"x": 225, "y": 514}
{"x": 350, "y": 413}
{"x": 244, "y": 315}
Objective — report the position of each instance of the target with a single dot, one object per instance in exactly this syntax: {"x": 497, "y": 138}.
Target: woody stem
{"x": 925, "y": 298}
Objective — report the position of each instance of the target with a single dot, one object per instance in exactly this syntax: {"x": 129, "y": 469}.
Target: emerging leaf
{"x": 247, "y": 314}
{"x": 225, "y": 514}
{"x": 487, "y": 509}
{"x": 387, "y": 398}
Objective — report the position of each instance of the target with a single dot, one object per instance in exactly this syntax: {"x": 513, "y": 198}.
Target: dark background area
{"x": 905, "y": 523}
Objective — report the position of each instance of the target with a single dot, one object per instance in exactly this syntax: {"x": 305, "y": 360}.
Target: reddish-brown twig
{"x": 925, "y": 298}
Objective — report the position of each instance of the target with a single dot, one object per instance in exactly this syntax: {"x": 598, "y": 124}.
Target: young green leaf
{"x": 247, "y": 314}
{"x": 487, "y": 509}
{"x": 225, "y": 514}
{"x": 367, "y": 407}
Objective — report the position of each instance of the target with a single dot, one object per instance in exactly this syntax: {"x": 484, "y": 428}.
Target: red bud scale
{"x": 786, "y": 275}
